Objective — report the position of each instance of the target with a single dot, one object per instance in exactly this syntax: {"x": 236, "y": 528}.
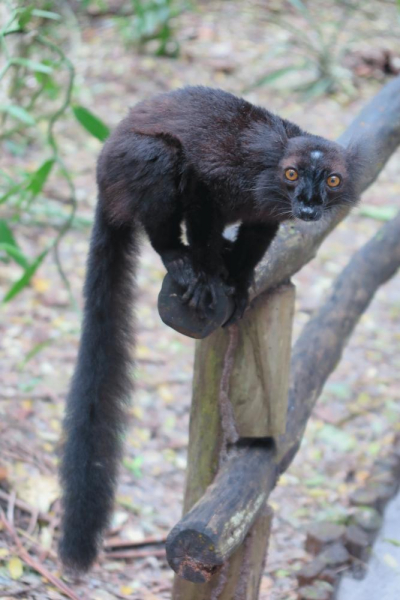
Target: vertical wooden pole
{"x": 257, "y": 390}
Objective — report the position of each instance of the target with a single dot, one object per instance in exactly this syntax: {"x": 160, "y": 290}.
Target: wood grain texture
{"x": 260, "y": 378}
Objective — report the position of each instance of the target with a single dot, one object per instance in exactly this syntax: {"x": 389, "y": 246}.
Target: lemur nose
{"x": 312, "y": 200}
{"x": 307, "y": 213}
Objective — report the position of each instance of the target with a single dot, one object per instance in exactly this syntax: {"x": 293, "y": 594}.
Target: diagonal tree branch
{"x": 323, "y": 339}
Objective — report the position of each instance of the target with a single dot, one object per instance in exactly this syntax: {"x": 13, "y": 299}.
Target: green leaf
{"x": 50, "y": 86}
{"x": 25, "y": 16}
{"x": 316, "y": 88}
{"x": 274, "y": 75}
{"x": 6, "y": 235}
{"x": 389, "y": 540}
{"x": 34, "y": 351}
{"x": 91, "y": 123}
{"x": 18, "y": 113}
{"x": 46, "y": 14}
{"x": 316, "y": 481}
{"x": 32, "y": 65}
{"x": 337, "y": 438}
{"x": 16, "y": 253}
{"x": 10, "y": 246}
{"x": 379, "y": 213}
{"x": 15, "y": 567}
{"x": 340, "y": 390}
{"x": 40, "y": 176}
{"x": 299, "y": 6}
{"x": 304, "y": 11}
{"x": 134, "y": 465}
{"x": 26, "y": 277}
{"x": 13, "y": 190}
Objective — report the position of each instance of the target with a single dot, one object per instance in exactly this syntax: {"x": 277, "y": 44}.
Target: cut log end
{"x": 192, "y": 555}
{"x": 184, "y": 319}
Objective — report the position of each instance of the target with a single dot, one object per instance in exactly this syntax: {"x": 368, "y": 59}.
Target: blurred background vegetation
{"x": 39, "y": 86}
{"x": 69, "y": 70}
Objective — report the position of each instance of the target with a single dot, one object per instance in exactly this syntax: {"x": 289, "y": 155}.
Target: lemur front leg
{"x": 204, "y": 232}
{"x": 241, "y": 258}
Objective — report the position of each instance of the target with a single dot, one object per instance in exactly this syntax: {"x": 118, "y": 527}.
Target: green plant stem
{"x": 53, "y": 144}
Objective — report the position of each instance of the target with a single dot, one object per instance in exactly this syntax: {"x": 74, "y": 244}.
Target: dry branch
{"x": 219, "y": 522}
{"x": 35, "y": 564}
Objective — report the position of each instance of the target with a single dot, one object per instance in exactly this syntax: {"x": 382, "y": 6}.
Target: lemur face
{"x": 314, "y": 175}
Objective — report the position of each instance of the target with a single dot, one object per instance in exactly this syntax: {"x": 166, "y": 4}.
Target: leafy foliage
{"x": 38, "y": 82}
{"x": 91, "y": 123}
{"x": 153, "y": 20}
{"x": 318, "y": 47}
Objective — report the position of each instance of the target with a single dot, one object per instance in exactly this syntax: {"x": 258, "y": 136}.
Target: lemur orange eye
{"x": 333, "y": 181}
{"x": 291, "y": 174}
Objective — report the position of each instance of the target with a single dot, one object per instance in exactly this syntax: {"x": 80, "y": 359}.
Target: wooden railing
{"x": 252, "y": 396}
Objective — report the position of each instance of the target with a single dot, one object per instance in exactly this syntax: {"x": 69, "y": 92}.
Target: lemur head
{"x": 316, "y": 175}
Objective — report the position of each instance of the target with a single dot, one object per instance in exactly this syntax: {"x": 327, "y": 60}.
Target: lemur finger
{"x": 190, "y": 290}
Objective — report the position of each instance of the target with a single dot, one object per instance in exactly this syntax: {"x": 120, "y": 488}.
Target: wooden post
{"x": 240, "y": 390}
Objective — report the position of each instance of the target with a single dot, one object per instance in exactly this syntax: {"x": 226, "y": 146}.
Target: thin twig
{"x": 52, "y": 527}
{"x": 10, "y": 506}
{"x": 53, "y": 144}
{"x": 119, "y": 543}
{"x": 31, "y": 562}
{"x": 26, "y": 589}
{"x": 25, "y": 507}
{"x": 126, "y": 554}
{"x": 33, "y": 522}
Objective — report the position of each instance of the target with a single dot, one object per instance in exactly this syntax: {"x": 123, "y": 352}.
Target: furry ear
{"x": 266, "y": 144}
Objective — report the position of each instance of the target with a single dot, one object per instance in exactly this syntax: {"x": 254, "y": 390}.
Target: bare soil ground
{"x": 223, "y": 44}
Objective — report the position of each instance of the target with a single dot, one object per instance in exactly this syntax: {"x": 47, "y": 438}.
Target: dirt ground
{"x": 224, "y": 44}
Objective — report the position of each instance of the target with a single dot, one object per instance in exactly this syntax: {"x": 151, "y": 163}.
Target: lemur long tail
{"x": 100, "y": 388}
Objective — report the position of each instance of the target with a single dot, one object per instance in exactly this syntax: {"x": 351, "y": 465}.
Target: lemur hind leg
{"x": 165, "y": 234}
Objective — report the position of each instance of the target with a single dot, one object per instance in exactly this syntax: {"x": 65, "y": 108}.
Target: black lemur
{"x": 204, "y": 158}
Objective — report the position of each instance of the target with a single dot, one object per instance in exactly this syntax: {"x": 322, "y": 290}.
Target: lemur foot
{"x": 180, "y": 267}
{"x": 199, "y": 290}
{"x": 201, "y": 294}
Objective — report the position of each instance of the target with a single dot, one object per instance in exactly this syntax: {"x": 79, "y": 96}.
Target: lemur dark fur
{"x": 207, "y": 159}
